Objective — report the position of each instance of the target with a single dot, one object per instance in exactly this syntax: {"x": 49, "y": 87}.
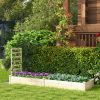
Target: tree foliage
{"x": 43, "y": 16}
{"x": 14, "y": 9}
{"x": 64, "y": 32}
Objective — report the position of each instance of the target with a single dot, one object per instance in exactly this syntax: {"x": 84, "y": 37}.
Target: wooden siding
{"x": 92, "y": 11}
{"x": 88, "y": 12}
{"x": 79, "y": 12}
{"x": 93, "y": 28}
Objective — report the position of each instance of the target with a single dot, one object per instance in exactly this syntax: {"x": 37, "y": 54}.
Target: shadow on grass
{"x": 95, "y": 88}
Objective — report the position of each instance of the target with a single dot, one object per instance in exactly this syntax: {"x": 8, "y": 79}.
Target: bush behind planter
{"x": 28, "y": 41}
{"x": 78, "y": 61}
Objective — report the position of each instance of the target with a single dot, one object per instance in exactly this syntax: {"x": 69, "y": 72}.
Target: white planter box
{"x": 70, "y": 85}
{"x": 52, "y": 83}
{"x": 27, "y": 81}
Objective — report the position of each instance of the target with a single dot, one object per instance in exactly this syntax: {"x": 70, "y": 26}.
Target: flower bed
{"x": 51, "y": 80}
{"x": 31, "y": 74}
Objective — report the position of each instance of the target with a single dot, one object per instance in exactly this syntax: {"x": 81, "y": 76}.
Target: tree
{"x": 14, "y": 9}
{"x": 43, "y": 16}
{"x": 10, "y": 12}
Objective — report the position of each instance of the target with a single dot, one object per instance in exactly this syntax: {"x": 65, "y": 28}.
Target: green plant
{"x": 67, "y": 77}
{"x": 43, "y": 16}
{"x": 27, "y": 41}
{"x": 98, "y": 47}
{"x": 74, "y": 11}
{"x": 14, "y": 9}
{"x": 96, "y": 72}
{"x": 76, "y": 61}
{"x": 97, "y": 78}
{"x": 63, "y": 31}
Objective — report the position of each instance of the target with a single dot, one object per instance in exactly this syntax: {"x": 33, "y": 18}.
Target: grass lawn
{"x": 24, "y": 92}
{"x": 3, "y": 75}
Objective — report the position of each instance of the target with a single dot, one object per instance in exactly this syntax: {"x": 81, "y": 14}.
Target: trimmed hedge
{"x": 77, "y": 61}
{"x": 98, "y": 47}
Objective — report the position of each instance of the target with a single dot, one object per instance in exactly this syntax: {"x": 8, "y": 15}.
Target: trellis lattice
{"x": 16, "y": 60}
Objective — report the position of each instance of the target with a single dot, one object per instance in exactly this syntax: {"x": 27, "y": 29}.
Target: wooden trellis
{"x": 16, "y": 59}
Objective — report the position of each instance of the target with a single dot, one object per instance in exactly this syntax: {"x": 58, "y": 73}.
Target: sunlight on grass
{"x": 25, "y": 92}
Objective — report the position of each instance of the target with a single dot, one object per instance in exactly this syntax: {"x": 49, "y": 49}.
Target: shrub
{"x": 76, "y": 61}
{"x": 97, "y": 78}
{"x": 27, "y": 41}
{"x": 65, "y": 60}
{"x": 98, "y": 47}
{"x": 67, "y": 77}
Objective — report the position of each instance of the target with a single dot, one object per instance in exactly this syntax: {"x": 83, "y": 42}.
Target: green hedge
{"x": 78, "y": 61}
{"x": 98, "y": 47}
{"x": 64, "y": 60}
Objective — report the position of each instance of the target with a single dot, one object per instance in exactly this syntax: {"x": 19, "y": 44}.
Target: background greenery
{"x": 14, "y": 9}
{"x": 79, "y": 61}
{"x": 43, "y": 15}
{"x": 3, "y": 73}
{"x": 34, "y": 15}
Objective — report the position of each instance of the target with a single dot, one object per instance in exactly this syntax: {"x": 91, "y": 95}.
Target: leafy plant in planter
{"x": 97, "y": 78}
{"x": 31, "y": 74}
{"x": 67, "y": 77}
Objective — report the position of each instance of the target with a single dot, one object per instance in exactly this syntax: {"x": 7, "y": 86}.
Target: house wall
{"x": 88, "y": 22}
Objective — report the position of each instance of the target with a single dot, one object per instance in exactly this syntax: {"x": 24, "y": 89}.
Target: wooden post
{"x": 66, "y": 6}
{"x": 81, "y": 12}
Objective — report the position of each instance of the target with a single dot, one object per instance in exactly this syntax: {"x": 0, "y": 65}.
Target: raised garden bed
{"x": 52, "y": 83}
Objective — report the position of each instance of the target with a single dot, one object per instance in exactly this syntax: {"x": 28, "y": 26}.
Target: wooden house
{"x": 88, "y": 22}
